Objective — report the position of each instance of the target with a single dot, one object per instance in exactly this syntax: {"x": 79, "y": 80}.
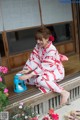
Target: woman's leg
{"x": 64, "y": 95}
{"x": 47, "y": 85}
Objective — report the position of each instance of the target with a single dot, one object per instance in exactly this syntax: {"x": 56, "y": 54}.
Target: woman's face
{"x": 42, "y": 43}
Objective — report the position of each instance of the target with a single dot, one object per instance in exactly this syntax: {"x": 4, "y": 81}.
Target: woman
{"x": 44, "y": 67}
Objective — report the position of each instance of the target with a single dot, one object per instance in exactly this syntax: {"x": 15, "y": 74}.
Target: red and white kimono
{"x": 47, "y": 65}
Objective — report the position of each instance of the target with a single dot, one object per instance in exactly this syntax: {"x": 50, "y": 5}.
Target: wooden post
{"x": 78, "y": 23}
{"x": 6, "y": 47}
{"x": 40, "y": 12}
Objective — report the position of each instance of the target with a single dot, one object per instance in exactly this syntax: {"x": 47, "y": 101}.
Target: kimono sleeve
{"x": 33, "y": 61}
{"x": 63, "y": 57}
{"x": 50, "y": 61}
{"x": 39, "y": 70}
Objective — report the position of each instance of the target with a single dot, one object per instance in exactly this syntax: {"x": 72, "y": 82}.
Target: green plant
{"x": 3, "y": 89}
{"x": 22, "y": 112}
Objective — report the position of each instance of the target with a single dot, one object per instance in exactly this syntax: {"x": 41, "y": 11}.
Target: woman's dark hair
{"x": 42, "y": 32}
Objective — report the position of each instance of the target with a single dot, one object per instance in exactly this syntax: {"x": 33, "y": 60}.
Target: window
{"x": 23, "y": 40}
{"x": 61, "y": 32}
{"x": 20, "y": 41}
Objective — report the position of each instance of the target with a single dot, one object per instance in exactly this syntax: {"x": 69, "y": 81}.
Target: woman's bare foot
{"x": 68, "y": 117}
{"x": 75, "y": 113}
{"x": 64, "y": 97}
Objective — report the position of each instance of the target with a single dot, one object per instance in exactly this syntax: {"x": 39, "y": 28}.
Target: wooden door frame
{"x": 76, "y": 23}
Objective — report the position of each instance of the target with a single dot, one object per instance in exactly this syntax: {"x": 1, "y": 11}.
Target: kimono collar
{"x": 48, "y": 45}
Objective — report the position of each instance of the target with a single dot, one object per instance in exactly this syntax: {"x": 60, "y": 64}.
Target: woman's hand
{"x": 24, "y": 71}
{"x": 25, "y": 77}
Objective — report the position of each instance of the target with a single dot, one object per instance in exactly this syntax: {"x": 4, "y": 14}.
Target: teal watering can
{"x": 19, "y": 85}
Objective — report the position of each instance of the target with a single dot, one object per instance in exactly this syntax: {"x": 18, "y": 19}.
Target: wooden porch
{"x": 72, "y": 71}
